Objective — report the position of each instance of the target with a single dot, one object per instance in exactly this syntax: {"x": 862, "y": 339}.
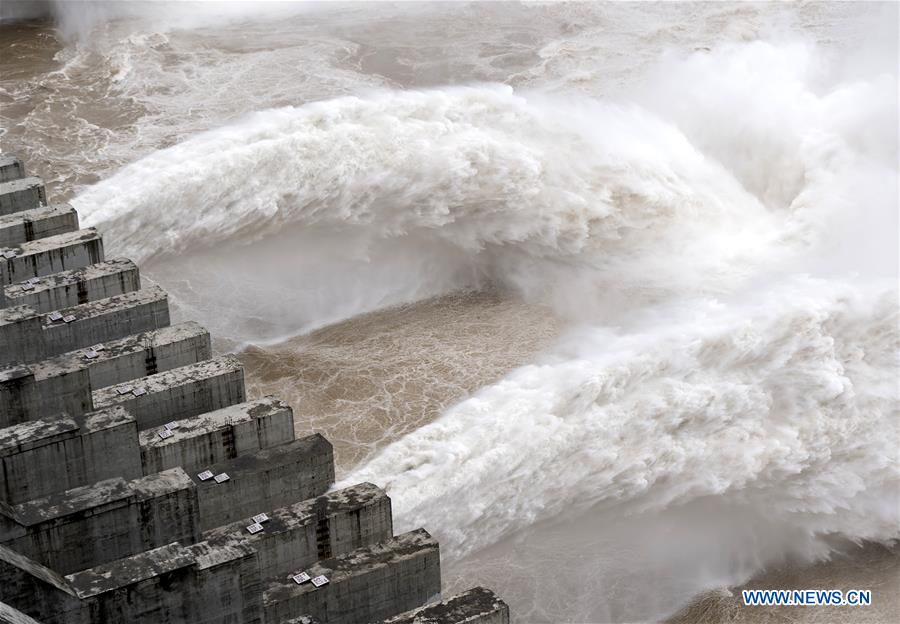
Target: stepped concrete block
{"x": 170, "y": 584}
{"x": 474, "y": 606}
{"x": 55, "y": 454}
{"x": 268, "y": 479}
{"x": 106, "y": 320}
{"x": 22, "y": 194}
{"x": 91, "y": 525}
{"x": 136, "y": 355}
{"x": 24, "y": 397}
{"x": 365, "y": 585}
{"x": 11, "y": 168}
{"x": 46, "y": 256}
{"x": 21, "y": 337}
{"x": 297, "y": 536}
{"x": 75, "y": 287}
{"x": 218, "y": 436}
{"x": 63, "y": 384}
{"x": 37, "y": 223}
{"x": 179, "y": 393}
{"x": 228, "y": 585}
{"x": 151, "y": 586}
{"x": 16, "y": 394}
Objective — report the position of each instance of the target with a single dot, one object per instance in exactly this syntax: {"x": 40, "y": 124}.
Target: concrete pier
{"x": 104, "y": 320}
{"x": 218, "y": 436}
{"x": 139, "y": 485}
{"x": 21, "y": 336}
{"x": 56, "y": 454}
{"x": 90, "y": 525}
{"x": 365, "y": 585}
{"x": 268, "y": 479}
{"x": 65, "y": 383}
{"x": 70, "y": 288}
{"x": 297, "y": 536}
{"x": 11, "y": 168}
{"x": 22, "y": 194}
{"x": 134, "y": 356}
{"x": 72, "y": 250}
{"x": 179, "y": 393}
{"x": 37, "y": 223}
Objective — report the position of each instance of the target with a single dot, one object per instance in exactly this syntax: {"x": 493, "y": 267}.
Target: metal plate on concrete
{"x": 165, "y": 433}
{"x": 260, "y": 518}
{"x": 222, "y": 478}
{"x": 99, "y": 347}
{"x": 320, "y": 580}
{"x": 27, "y": 286}
{"x": 141, "y": 392}
{"x": 256, "y": 527}
{"x": 68, "y": 318}
{"x": 9, "y": 254}
{"x": 124, "y": 389}
{"x": 206, "y": 475}
{"x": 90, "y": 354}
{"x": 171, "y": 425}
{"x": 300, "y": 578}
{"x": 55, "y": 316}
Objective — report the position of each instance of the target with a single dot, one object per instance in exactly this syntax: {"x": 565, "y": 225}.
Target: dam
{"x": 138, "y": 481}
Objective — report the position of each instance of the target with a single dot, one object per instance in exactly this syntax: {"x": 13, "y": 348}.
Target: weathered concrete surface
{"x": 297, "y": 536}
{"x": 37, "y": 223}
{"x": 366, "y": 585}
{"x": 46, "y": 256}
{"x": 22, "y": 398}
{"x": 75, "y": 287}
{"x": 152, "y": 586}
{"x": 16, "y": 394}
{"x": 474, "y": 606}
{"x": 79, "y": 326}
{"x": 55, "y": 454}
{"x": 11, "y": 168}
{"x": 134, "y": 356}
{"x": 64, "y": 383}
{"x": 21, "y": 337}
{"x": 179, "y": 393}
{"x": 228, "y": 584}
{"x": 106, "y": 320}
{"x": 34, "y": 589}
{"x": 8, "y": 615}
{"x": 91, "y": 525}
{"x": 22, "y": 194}
{"x": 169, "y": 584}
{"x": 218, "y": 436}
{"x": 268, "y": 479}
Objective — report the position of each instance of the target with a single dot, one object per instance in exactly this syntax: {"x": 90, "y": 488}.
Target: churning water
{"x": 604, "y": 295}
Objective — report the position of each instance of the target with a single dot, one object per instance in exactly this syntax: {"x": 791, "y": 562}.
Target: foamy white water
{"x": 705, "y": 194}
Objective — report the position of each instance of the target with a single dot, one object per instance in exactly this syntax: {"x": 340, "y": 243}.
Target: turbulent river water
{"x": 603, "y": 294}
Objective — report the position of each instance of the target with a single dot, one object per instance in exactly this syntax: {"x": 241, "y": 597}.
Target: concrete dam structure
{"x": 139, "y": 484}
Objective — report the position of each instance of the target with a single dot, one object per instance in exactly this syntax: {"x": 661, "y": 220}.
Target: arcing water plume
{"x": 480, "y": 179}
{"x": 785, "y": 409}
